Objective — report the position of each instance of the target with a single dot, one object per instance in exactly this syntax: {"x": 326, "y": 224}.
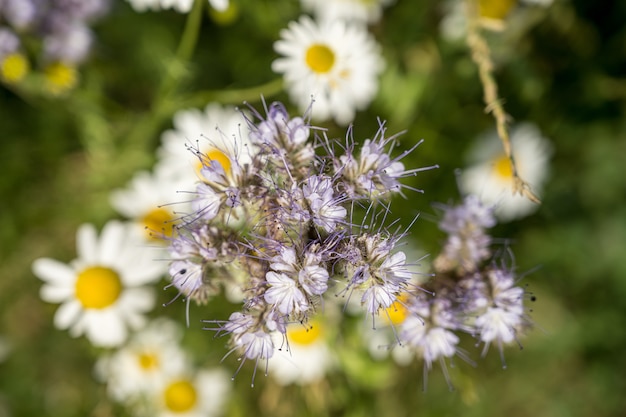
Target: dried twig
{"x": 481, "y": 55}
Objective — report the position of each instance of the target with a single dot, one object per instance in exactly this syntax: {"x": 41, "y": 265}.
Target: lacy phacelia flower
{"x": 294, "y": 239}
{"x": 336, "y": 63}
{"x": 467, "y": 245}
{"x": 490, "y": 175}
{"x": 102, "y": 291}
{"x": 62, "y": 30}
{"x": 349, "y": 10}
{"x": 504, "y": 316}
{"x": 372, "y": 172}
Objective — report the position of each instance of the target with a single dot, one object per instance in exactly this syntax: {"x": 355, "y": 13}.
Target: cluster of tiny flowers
{"x": 281, "y": 221}
{"x": 55, "y": 33}
{"x": 471, "y": 292}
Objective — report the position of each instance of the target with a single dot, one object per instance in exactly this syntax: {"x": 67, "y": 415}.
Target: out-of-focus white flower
{"x": 193, "y": 394}
{"x": 145, "y": 364}
{"x": 152, "y": 201}
{"x": 335, "y": 63}
{"x": 349, "y": 10}
{"x": 490, "y": 175}
{"x": 217, "y": 134}
{"x": 102, "y": 292}
{"x": 305, "y": 358}
{"x": 181, "y": 6}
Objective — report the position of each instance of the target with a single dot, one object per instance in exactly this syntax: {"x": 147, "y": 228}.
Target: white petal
{"x": 53, "y": 272}
{"x": 56, "y": 294}
{"x": 112, "y": 239}
{"x": 106, "y": 328}
{"x": 87, "y": 243}
{"x": 67, "y": 314}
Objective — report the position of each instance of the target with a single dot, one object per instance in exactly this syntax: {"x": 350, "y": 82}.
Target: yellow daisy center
{"x": 304, "y": 335}
{"x": 216, "y": 155}
{"x": 157, "y": 222}
{"x": 98, "y": 287}
{"x": 320, "y": 58}
{"x": 148, "y": 361}
{"x": 502, "y": 167}
{"x": 60, "y": 78}
{"x": 180, "y": 396}
{"x": 13, "y": 68}
{"x": 397, "y": 311}
{"x": 495, "y": 9}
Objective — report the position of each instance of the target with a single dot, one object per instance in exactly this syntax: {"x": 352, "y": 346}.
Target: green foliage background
{"x": 561, "y": 68}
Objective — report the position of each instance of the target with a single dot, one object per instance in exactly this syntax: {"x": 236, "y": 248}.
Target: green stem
{"x": 237, "y": 96}
{"x": 190, "y": 34}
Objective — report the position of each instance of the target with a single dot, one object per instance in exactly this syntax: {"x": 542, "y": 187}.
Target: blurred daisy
{"x": 305, "y": 358}
{"x": 336, "y": 63}
{"x": 199, "y": 394}
{"x": 491, "y": 177}
{"x": 102, "y": 292}
{"x": 492, "y": 15}
{"x": 349, "y": 10}
{"x": 217, "y": 133}
{"x": 181, "y": 6}
{"x": 149, "y": 200}
{"x": 143, "y": 365}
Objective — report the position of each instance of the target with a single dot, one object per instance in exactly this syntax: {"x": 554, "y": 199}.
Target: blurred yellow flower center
{"x": 60, "y": 78}
{"x": 397, "y": 311}
{"x": 98, "y": 287}
{"x": 13, "y": 68}
{"x": 148, "y": 360}
{"x": 495, "y": 9}
{"x": 180, "y": 396}
{"x": 216, "y": 155}
{"x": 502, "y": 167}
{"x": 320, "y": 58}
{"x": 304, "y": 335}
{"x": 158, "y": 222}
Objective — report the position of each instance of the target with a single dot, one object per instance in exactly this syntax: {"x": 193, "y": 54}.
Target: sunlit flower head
{"x": 145, "y": 363}
{"x": 203, "y": 393}
{"x": 217, "y": 134}
{"x": 490, "y": 175}
{"x": 102, "y": 292}
{"x": 363, "y": 11}
{"x": 153, "y": 202}
{"x": 335, "y": 63}
{"x": 492, "y": 15}
{"x": 305, "y": 356}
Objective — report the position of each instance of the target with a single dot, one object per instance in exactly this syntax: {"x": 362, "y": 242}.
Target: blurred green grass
{"x": 566, "y": 75}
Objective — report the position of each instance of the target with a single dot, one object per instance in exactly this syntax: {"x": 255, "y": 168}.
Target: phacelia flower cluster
{"x": 472, "y": 291}
{"x": 55, "y": 34}
{"x": 294, "y": 218}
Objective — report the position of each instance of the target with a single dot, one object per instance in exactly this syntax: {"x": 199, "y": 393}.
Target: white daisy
{"x": 219, "y": 133}
{"x": 181, "y": 6}
{"x": 363, "y": 11}
{"x": 493, "y": 15}
{"x": 336, "y": 63}
{"x": 144, "y": 364}
{"x": 200, "y": 394}
{"x": 307, "y": 357}
{"x": 490, "y": 175}
{"x": 153, "y": 202}
{"x": 102, "y": 292}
